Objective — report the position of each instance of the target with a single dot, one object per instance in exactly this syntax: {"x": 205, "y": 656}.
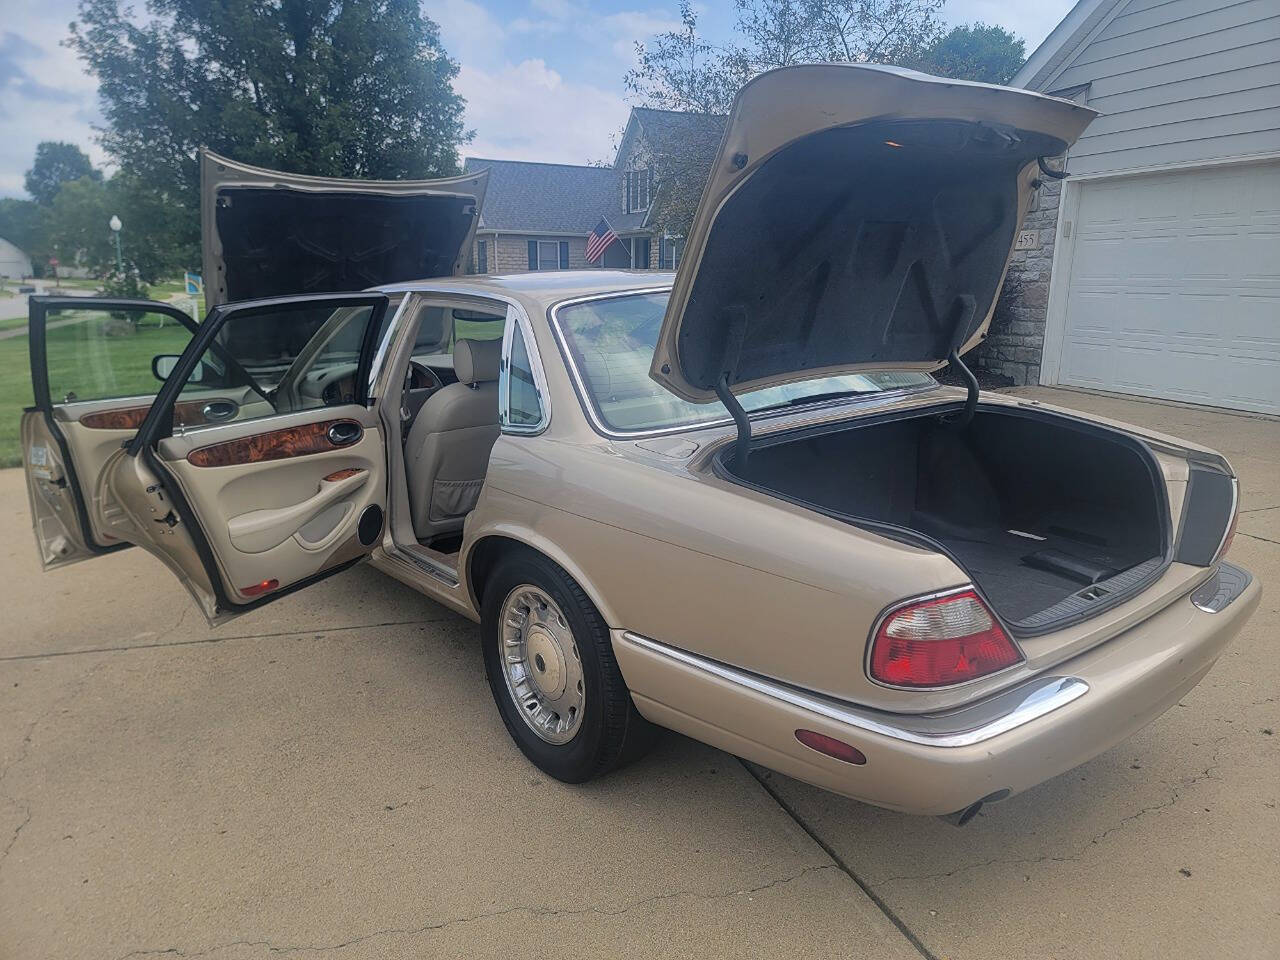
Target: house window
{"x": 669, "y": 251}
{"x": 548, "y": 254}
{"x": 640, "y": 253}
{"x": 482, "y": 256}
{"x": 638, "y": 184}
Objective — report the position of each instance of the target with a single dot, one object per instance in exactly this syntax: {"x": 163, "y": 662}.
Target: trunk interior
{"x": 1053, "y": 520}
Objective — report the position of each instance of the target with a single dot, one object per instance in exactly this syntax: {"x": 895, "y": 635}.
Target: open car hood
{"x": 267, "y": 233}
{"x": 856, "y": 218}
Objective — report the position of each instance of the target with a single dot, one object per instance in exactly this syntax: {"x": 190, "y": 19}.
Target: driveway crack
{"x": 533, "y": 911}
{"x": 1177, "y": 791}
{"x": 844, "y": 867}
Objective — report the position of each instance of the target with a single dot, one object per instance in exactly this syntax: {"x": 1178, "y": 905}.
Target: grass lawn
{"x": 85, "y": 361}
{"x": 74, "y": 283}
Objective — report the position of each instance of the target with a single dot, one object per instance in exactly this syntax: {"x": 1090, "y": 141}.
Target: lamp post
{"x": 115, "y": 225}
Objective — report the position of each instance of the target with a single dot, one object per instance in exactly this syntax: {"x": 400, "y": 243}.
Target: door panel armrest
{"x": 260, "y": 530}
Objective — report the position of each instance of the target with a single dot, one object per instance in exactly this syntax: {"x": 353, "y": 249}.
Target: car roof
{"x": 544, "y": 287}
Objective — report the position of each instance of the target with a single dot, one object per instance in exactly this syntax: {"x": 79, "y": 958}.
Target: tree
{"x": 979, "y": 52}
{"x": 682, "y": 70}
{"x": 356, "y": 88}
{"x": 76, "y": 228}
{"x": 57, "y": 163}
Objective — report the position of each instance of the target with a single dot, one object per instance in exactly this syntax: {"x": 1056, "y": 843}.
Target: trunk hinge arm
{"x": 962, "y": 418}
{"x": 742, "y": 448}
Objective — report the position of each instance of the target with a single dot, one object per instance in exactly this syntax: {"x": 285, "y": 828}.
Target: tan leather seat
{"x": 447, "y": 452}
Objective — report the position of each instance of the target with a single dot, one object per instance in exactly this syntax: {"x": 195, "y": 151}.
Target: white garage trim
{"x": 1060, "y": 282}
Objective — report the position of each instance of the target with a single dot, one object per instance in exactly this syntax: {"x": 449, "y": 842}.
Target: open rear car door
{"x": 289, "y": 486}
{"x": 93, "y": 377}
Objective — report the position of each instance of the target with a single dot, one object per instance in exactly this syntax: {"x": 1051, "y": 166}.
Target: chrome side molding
{"x": 964, "y": 727}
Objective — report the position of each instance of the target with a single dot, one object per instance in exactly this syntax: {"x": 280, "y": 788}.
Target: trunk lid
{"x": 856, "y": 218}
{"x": 266, "y": 233}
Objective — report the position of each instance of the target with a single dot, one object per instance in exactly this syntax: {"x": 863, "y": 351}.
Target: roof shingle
{"x": 545, "y": 197}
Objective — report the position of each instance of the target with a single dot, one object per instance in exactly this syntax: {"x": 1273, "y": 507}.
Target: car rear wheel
{"x": 550, "y": 666}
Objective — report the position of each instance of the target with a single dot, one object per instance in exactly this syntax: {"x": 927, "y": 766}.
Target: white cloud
{"x": 45, "y": 94}
{"x": 556, "y": 9}
{"x": 527, "y": 111}
{"x": 468, "y": 31}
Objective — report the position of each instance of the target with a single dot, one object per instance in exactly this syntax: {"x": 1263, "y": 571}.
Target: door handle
{"x": 344, "y": 433}
{"x": 260, "y": 530}
{"x": 218, "y": 410}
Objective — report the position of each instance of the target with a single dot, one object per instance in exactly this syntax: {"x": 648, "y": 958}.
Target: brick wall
{"x": 510, "y": 253}
{"x": 1015, "y": 340}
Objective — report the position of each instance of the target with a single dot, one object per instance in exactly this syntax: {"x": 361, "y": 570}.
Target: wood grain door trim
{"x": 188, "y": 413}
{"x": 281, "y": 444}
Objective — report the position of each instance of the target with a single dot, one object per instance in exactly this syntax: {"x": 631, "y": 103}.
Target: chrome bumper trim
{"x": 1218, "y": 592}
{"x": 964, "y": 727}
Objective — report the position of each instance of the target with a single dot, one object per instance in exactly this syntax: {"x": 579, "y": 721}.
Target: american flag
{"x": 599, "y": 239}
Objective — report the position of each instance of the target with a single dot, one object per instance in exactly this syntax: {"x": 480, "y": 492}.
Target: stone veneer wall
{"x": 1015, "y": 340}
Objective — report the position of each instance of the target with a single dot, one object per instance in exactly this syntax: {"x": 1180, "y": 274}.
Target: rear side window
{"x": 101, "y": 355}
{"x": 524, "y": 404}
{"x": 266, "y": 362}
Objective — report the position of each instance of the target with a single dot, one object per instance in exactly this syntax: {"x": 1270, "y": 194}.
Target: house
{"x": 14, "y": 264}
{"x": 1154, "y": 268}
{"x": 537, "y": 216}
{"x": 662, "y": 152}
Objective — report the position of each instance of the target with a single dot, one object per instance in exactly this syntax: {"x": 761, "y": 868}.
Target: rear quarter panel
{"x": 669, "y": 551}
{"x": 708, "y": 566}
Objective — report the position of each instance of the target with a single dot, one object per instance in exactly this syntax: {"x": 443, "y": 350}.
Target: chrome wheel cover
{"x": 541, "y": 665}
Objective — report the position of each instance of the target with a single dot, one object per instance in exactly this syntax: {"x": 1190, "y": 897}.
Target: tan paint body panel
{"x": 1131, "y": 681}
{"x": 779, "y": 107}
{"x": 669, "y": 552}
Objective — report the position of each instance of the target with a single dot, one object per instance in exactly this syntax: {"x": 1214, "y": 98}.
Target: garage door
{"x": 1174, "y": 287}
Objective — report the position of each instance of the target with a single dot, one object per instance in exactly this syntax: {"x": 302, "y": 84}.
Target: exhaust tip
{"x": 963, "y": 816}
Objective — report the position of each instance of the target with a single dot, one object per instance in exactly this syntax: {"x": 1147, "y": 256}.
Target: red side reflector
{"x": 938, "y": 642}
{"x": 257, "y": 589}
{"x": 831, "y": 746}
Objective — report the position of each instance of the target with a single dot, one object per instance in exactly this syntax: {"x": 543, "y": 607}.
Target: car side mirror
{"x": 164, "y": 364}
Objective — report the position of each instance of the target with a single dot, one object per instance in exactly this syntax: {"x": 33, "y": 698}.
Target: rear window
{"x": 611, "y": 343}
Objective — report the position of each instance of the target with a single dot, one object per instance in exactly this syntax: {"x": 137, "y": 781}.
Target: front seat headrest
{"x": 477, "y": 361}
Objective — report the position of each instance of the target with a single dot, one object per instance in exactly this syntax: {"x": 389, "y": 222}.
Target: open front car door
{"x": 289, "y": 484}
{"x": 94, "y": 377}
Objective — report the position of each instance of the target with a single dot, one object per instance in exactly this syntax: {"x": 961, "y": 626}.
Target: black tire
{"x": 612, "y": 732}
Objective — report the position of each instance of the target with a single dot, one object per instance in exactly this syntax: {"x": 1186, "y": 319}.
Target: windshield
{"x": 612, "y": 342}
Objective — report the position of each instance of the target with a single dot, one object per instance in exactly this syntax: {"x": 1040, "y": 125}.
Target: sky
{"x": 542, "y": 78}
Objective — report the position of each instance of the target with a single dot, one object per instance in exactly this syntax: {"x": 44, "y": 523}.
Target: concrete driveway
{"x": 328, "y": 777}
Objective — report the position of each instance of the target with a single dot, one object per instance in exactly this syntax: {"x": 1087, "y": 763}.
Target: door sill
{"x": 435, "y": 564}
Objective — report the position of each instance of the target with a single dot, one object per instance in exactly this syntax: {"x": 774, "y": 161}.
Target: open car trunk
{"x": 1053, "y": 520}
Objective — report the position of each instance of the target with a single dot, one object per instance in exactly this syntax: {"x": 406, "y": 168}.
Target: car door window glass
{"x": 101, "y": 355}
{"x": 440, "y": 327}
{"x": 524, "y": 406}
{"x": 294, "y": 357}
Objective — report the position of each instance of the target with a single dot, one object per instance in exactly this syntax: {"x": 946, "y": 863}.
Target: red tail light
{"x": 939, "y": 642}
